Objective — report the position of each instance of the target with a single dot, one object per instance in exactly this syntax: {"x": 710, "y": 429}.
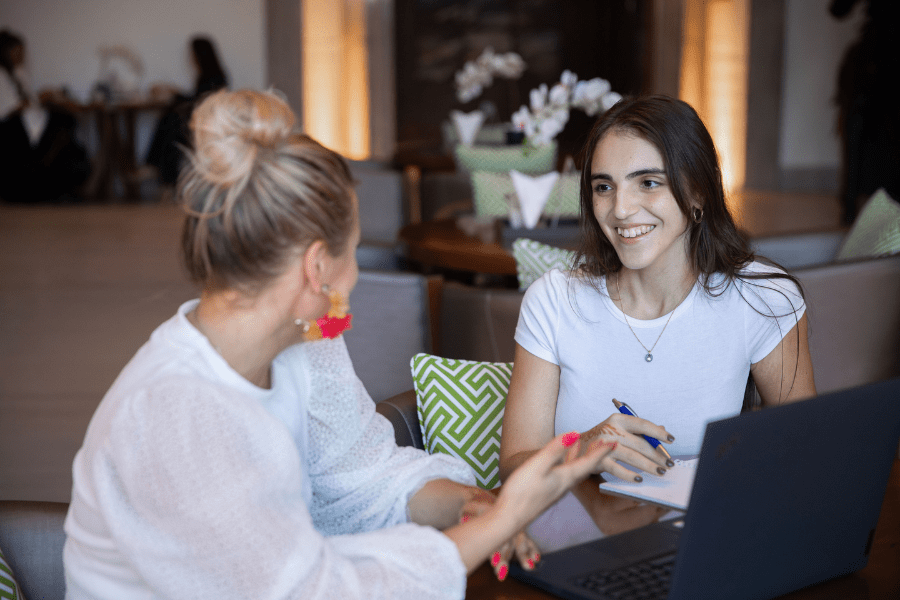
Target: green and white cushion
{"x": 8, "y": 588}
{"x": 490, "y": 190}
{"x": 503, "y": 159}
{"x": 876, "y": 231}
{"x": 533, "y": 259}
{"x": 460, "y": 405}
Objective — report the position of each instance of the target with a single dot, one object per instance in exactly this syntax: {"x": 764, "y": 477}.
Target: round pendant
{"x": 649, "y": 357}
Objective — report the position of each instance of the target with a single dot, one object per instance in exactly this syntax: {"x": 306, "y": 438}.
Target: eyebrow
{"x": 639, "y": 173}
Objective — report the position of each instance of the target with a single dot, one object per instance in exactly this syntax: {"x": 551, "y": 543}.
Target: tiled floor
{"x": 81, "y": 288}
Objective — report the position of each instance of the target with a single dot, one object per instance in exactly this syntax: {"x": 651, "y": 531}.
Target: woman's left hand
{"x": 442, "y": 503}
{"x": 521, "y": 546}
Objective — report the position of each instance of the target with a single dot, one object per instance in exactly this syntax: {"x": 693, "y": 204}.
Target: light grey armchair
{"x": 32, "y": 538}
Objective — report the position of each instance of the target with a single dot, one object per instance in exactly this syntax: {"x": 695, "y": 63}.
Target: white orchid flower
{"x": 538, "y": 97}
{"x": 559, "y": 95}
{"x": 522, "y": 120}
{"x": 568, "y": 79}
{"x": 509, "y": 65}
{"x": 588, "y": 95}
{"x": 609, "y": 99}
{"x": 486, "y": 60}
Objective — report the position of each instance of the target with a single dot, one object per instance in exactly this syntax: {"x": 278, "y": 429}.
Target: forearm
{"x": 480, "y": 536}
{"x": 510, "y": 464}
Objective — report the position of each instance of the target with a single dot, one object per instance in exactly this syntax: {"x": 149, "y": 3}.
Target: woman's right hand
{"x": 549, "y": 473}
{"x": 627, "y": 432}
{"x": 529, "y": 490}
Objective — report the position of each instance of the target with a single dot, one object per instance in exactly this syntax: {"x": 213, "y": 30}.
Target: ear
{"x": 314, "y": 264}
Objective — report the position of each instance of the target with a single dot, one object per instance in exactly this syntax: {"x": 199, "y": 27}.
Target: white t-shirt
{"x": 700, "y": 362}
{"x": 194, "y": 483}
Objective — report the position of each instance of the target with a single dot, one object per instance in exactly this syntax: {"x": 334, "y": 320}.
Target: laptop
{"x": 783, "y": 498}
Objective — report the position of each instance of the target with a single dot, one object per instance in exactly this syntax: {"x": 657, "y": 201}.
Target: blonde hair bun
{"x": 231, "y": 129}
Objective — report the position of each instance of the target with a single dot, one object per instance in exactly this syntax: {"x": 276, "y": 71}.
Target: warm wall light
{"x": 335, "y": 75}
{"x": 714, "y": 77}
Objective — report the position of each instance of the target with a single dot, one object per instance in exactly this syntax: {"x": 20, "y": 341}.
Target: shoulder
{"x": 556, "y": 284}
{"x": 768, "y": 289}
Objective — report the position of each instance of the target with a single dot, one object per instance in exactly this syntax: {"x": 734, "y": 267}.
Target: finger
{"x": 590, "y": 461}
{"x": 654, "y": 464}
{"x": 637, "y": 425}
{"x": 562, "y": 448}
{"x": 500, "y": 560}
{"x": 526, "y": 551}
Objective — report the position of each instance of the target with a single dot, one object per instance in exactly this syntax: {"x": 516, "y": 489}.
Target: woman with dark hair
{"x": 667, "y": 310}
{"x": 40, "y": 159}
{"x": 171, "y": 135}
{"x": 210, "y": 76}
{"x": 237, "y": 455}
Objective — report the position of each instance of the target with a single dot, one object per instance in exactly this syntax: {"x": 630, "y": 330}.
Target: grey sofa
{"x": 853, "y": 313}
{"x": 32, "y": 538}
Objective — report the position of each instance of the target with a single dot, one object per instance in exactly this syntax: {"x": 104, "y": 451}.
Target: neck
{"x": 648, "y": 296}
{"x": 245, "y": 332}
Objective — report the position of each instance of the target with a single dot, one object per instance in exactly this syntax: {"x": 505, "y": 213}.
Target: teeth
{"x": 635, "y": 231}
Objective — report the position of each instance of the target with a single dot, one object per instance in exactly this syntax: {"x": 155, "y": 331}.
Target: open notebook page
{"x": 672, "y": 490}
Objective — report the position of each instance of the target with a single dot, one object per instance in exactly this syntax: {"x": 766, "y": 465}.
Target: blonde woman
{"x": 232, "y": 457}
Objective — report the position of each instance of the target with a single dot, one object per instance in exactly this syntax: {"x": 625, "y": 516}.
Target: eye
{"x": 602, "y": 187}
{"x": 650, "y": 184}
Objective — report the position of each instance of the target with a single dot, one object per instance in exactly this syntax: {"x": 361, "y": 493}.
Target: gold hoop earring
{"x": 697, "y": 214}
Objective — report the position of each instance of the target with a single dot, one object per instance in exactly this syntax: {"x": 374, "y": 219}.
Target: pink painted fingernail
{"x": 495, "y": 559}
{"x": 530, "y": 563}
{"x": 501, "y": 574}
{"x": 537, "y": 557}
{"x": 570, "y": 438}
{"x": 464, "y": 519}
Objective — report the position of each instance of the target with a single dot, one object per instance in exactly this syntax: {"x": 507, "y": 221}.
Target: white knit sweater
{"x": 194, "y": 483}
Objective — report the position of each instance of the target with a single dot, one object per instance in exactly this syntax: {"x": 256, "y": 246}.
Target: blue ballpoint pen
{"x": 627, "y": 410}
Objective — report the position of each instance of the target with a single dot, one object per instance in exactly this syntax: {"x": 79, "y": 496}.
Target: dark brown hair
{"x": 692, "y": 168}
{"x": 256, "y": 192}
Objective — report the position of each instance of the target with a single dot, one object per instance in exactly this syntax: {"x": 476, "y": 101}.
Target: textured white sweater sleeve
{"x": 201, "y": 493}
{"x": 361, "y": 480}
{"x": 187, "y": 488}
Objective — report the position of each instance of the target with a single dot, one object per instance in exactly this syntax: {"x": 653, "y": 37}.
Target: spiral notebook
{"x": 672, "y": 490}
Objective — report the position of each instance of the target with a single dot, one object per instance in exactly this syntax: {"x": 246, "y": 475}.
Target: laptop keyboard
{"x": 647, "y": 580}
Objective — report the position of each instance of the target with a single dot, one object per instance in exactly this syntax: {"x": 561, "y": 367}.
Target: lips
{"x": 633, "y": 232}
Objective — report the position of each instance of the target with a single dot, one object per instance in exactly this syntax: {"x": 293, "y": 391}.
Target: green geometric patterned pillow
{"x": 490, "y": 190}
{"x": 8, "y": 588}
{"x": 876, "y": 231}
{"x": 533, "y": 259}
{"x": 460, "y": 405}
{"x": 503, "y": 159}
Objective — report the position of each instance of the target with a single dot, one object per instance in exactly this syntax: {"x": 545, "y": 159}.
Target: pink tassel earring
{"x": 335, "y": 322}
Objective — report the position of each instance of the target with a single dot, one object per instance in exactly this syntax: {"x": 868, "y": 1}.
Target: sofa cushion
{"x": 876, "y": 231}
{"x": 533, "y": 259}
{"x": 8, "y": 586}
{"x": 460, "y": 405}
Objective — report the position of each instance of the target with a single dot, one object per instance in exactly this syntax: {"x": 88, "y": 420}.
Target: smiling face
{"x": 633, "y": 203}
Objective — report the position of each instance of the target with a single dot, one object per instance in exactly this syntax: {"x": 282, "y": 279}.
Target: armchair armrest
{"x": 800, "y": 250}
{"x": 400, "y": 410}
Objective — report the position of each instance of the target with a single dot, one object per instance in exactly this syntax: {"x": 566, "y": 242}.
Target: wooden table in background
{"x": 116, "y": 155}
{"x": 880, "y": 580}
{"x": 443, "y": 245}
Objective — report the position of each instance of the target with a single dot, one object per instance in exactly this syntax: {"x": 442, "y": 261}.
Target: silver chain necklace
{"x": 649, "y": 356}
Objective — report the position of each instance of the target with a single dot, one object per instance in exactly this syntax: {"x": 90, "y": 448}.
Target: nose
{"x": 624, "y": 204}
